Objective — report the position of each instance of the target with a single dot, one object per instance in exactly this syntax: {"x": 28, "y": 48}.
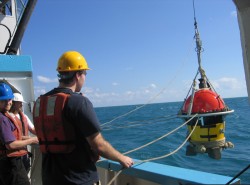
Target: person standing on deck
{"x": 68, "y": 129}
{"x": 12, "y": 144}
{"x": 16, "y": 111}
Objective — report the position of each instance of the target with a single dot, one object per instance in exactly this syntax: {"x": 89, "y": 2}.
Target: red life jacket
{"x": 55, "y": 134}
{"x": 23, "y": 122}
{"x": 18, "y": 135}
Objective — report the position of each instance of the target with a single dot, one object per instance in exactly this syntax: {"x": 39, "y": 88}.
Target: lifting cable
{"x": 156, "y": 158}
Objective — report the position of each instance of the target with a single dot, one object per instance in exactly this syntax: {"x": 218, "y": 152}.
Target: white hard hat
{"x": 18, "y": 97}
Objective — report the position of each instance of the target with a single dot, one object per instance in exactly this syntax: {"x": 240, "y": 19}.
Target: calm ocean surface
{"x": 155, "y": 120}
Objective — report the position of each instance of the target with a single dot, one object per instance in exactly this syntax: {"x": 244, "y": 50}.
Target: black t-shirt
{"x": 76, "y": 167}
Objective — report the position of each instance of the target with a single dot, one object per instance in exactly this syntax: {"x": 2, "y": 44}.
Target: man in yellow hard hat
{"x": 68, "y": 129}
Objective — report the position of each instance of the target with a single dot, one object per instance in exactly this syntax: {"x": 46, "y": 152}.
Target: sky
{"x": 139, "y": 51}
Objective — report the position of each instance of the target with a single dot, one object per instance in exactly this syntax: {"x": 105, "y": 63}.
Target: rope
{"x": 143, "y": 146}
{"x": 147, "y": 121}
{"x": 118, "y": 173}
{"x": 124, "y": 114}
{"x": 156, "y": 158}
{"x": 147, "y": 144}
{"x": 171, "y": 153}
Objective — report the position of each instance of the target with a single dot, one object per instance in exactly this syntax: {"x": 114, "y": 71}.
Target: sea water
{"x": 129, "y": 127}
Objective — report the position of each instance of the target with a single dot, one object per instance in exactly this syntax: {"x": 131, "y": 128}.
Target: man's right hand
{"x": 126, "y": 162}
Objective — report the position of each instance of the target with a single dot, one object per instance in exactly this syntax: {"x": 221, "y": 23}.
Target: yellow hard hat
{"x": 71, "y": 61}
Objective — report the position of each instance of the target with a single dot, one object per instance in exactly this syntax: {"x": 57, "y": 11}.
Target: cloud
{"x": 234, "y": 13}
{"x": 152, "y": 93}
{"x": 228, "y": 83}
{"x": 229, "y": 87}
{"x": 128, "y": 97}
{"x": 153, "y": 86}
{"x": 115, "y": 84}
{"x": 44, "y": 79}
{"x": 39, "y": 90}
{"x": 150, "y": 89}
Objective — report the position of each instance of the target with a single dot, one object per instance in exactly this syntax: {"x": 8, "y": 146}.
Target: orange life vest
{"x": 18, "y": 135}
{"x": 23, "y": 122}
{"x": 55, "y": 134}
